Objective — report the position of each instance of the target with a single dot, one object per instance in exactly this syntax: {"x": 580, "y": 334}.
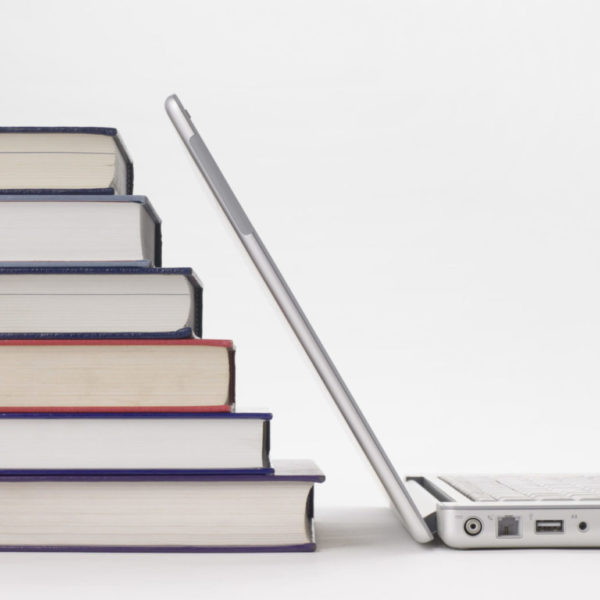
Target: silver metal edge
{"x": 391, "y": 481}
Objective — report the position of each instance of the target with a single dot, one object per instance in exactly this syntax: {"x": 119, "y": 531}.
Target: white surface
{"x": 363, "y": 554}
{"x": 426, "y": 176}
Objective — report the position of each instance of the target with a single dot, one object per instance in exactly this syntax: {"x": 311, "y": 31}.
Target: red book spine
{"x": 116, "y": 409}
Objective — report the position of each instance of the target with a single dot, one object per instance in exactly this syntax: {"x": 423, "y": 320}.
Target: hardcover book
{"x": 160, "y": 513}
{"x": 64, "y": 160}
{"x": 105, "y": 302}
{"x": 75, "y": 230}
{"x": 141, "y": 443}
{"x": 104, "y": 375}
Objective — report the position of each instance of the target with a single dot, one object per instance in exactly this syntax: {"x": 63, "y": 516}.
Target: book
{"x": 141, "y": 443}
{"x": 84, "y": 302}
{"x": 79, "y": 230}
{"x": 160, "y": 513}
{"x": 63, "y": 160}
{"x": 116, "y": 375}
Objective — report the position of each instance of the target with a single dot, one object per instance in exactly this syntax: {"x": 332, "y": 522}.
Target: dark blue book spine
{"x": 60, "y": 192}
{"x": 309, "y": 547}
{"x": 185, "y": 332}
{"x": 135, "y": 472}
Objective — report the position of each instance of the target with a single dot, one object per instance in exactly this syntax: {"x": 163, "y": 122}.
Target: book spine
{"x": 136, "y": 264}
{"x": 198, "y": 307}
{"x": 219, "y": 408}
{"x": 128, "y": 164}
{"x": 103, "y": 340}
{"x": 309, "y": 547}
{"x": 111, "y": 131}
{"x": 134, "y": 472}
{"x": 60, "y": 192}
{"x": 266, "y": 443}
{"x": 185, "y": 332}
{"x": 231, "y": 390}
{"x": 157, "y": 244}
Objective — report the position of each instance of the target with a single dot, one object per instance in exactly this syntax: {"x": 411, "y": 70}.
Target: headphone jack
{"x": 473, "y": 526}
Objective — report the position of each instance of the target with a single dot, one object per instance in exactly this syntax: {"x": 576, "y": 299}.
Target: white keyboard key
{"x": 528, "y": 488}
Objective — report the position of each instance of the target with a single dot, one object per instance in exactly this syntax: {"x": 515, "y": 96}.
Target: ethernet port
{"x": 508, "y": 526}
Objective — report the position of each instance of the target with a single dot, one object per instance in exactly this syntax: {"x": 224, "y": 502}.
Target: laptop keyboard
{"x": 526, "y": 488}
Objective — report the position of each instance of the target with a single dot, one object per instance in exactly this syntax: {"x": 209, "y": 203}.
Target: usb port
{"x": 549, "y": 526}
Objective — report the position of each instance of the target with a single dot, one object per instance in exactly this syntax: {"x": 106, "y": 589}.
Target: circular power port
{"x": 473, "y": 526}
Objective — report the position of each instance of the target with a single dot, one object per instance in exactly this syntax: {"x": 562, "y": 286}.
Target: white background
{"x": 426, "y": 174}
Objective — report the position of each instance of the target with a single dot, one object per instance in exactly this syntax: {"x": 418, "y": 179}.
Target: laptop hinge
{"x": 431, "y": 522}
{"x": 426, "y": 497}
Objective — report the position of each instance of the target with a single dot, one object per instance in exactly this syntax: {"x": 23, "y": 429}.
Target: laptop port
{"x": 473, "y": 526}
{"x": 550, "y": 526}
{"x": 508, "y": 526}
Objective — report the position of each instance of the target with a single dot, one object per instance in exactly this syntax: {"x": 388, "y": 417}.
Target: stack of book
{"x": 117, "y": 421}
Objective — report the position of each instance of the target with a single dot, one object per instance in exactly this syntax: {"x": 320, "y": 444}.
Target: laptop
{"x": 483, "y": 511}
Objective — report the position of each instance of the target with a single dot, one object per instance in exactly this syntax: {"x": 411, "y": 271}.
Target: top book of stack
{"x": 63, "y": 160}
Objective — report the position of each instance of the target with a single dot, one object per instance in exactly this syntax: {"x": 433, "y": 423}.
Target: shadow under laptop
{"x": 360, "y": 528}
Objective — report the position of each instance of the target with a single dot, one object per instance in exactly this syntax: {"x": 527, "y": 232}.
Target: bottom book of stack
{"x": 160, "y": 513}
